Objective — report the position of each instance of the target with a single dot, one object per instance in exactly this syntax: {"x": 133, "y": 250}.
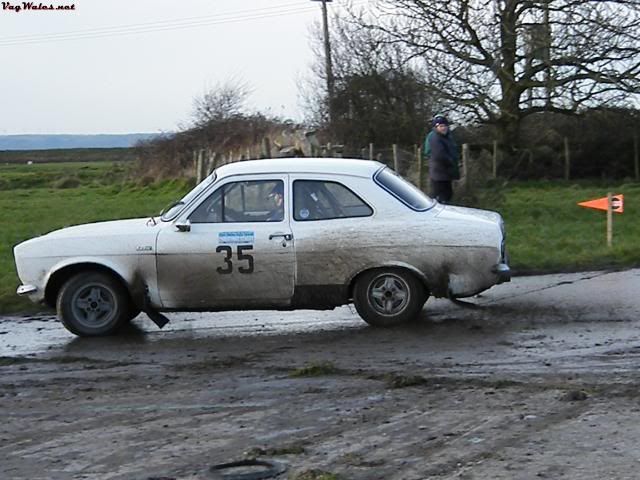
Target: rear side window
{"x": 324, "y": 200}
{"x": 404, "y": 191}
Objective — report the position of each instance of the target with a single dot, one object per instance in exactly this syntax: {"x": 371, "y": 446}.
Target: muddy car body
{"x": 270, "y": 234}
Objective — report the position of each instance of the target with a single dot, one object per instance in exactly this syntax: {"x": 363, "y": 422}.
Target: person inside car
{"x": 276, "y": 199}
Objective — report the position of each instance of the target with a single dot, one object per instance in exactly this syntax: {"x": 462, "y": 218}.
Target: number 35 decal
{"x": 228, "y": 251}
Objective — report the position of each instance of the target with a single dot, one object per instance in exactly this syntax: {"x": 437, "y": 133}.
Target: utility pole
{"x": 327, "y": 55}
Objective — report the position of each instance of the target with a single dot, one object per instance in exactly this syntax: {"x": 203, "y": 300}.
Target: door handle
{"x": 287, "y": 236}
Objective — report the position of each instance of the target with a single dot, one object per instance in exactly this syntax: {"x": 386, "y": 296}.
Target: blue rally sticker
{"x": 236, "y": 238}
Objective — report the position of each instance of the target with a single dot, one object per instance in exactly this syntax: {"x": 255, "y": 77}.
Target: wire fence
{"x": 478, "y": 161}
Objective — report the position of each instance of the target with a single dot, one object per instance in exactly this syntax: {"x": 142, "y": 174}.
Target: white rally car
{"x": 270, "y": 234}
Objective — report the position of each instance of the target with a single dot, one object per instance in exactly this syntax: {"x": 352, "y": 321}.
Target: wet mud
{"x": 533, "y": 379}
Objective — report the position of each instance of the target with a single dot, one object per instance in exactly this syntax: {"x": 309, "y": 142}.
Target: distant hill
{"x": 56, "y": 155}
{"x": 51, "y": 142}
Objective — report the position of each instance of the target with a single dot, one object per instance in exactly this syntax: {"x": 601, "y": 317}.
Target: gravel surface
{"x": 533, "y": 379}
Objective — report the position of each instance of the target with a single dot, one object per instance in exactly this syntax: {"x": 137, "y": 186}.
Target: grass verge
{"x": 547, "y": 231}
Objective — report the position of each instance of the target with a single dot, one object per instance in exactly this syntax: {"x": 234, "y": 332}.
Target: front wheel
{"x": 93, "y": 304}
{"x": 384, "y": 298}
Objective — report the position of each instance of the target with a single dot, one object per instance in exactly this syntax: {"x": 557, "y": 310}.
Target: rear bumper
{"x": 503, "y": 272}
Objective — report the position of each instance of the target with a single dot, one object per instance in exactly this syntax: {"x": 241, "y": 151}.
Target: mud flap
{"x": 156, "y": 317}
{"x": 159, "y": 319}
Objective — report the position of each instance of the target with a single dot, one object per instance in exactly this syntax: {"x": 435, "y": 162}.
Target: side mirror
{"x": 184, "y": 227}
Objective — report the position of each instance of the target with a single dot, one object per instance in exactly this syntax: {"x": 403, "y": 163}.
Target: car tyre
{"x": 384, "y": 298}
{"x": 93, "y": 304}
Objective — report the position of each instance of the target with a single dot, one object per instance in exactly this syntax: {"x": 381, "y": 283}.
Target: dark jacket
{"x": 442, "y": 152}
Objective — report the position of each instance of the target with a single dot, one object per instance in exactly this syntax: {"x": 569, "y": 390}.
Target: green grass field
{"x": 36, "y": 199}
{"x": 546, "y": 230}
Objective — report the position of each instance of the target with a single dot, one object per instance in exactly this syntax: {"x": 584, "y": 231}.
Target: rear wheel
{"x": 384, "y": 298}
{"x": 93, "y": 304}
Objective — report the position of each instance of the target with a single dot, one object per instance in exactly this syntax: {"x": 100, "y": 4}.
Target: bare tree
{"x": 220, "y": 118}
{"x": 222, "y": 102}
{"x": 377, "y": 96}
{"x": 499, "y": 61}
{"x": 220, "y": 124}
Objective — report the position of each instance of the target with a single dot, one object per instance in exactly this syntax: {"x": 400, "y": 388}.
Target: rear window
{"x": 404, "y": 191}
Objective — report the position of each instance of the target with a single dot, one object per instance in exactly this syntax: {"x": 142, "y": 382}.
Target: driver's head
{"x": 277, "y": 193}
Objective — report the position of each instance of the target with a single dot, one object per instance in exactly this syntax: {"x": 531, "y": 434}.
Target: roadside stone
{"x": 575, "y": 396}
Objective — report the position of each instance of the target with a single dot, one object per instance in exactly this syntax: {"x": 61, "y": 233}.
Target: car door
{"x": 334, "y": 229}
{"x": 234, "y": 250}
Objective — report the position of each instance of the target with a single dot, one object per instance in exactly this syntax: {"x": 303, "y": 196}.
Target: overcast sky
{"x": 124, "y": 66}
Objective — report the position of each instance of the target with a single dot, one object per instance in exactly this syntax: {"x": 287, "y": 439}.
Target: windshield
{"x": 174, "y": 208}
{"x": 404, "y": 191}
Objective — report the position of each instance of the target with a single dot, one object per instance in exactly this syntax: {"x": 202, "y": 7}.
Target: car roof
{"x": 339, "y": 166}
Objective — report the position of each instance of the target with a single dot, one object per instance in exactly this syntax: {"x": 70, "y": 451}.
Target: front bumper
{"x": 26, "y": 289}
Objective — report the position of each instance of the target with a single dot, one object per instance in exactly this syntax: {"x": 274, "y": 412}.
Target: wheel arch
{"x": 58, "y": 278}
{"x": 390, "y": 266}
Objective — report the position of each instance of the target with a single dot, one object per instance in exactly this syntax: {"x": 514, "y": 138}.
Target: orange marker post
{"x": 611, "y": 204}
{"x": 609, "y": 220}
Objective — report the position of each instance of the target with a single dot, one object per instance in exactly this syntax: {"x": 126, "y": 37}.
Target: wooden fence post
{"x": 200, "y": 167}
{"x": 395, "y": 157}
{"x": 465, "y": 161}
{"x": 195, "y": 163}
{"x": 419, "y": 161}
{"x": 266, "y": 147}
{"x": 567, "y": 159}
{"x": 213, "y": 156}
{"x": 204, "y": 163}
{"x": 494, "y": 169}
{"x": 635, "y": 156}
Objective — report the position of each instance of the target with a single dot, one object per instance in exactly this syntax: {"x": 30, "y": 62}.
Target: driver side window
{"x": 236, "y": 202}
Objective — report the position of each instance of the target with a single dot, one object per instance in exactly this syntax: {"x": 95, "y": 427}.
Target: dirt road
{"x": 533, "y": 379}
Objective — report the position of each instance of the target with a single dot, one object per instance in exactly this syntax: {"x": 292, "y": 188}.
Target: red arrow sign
{"x": 617, "y": 203}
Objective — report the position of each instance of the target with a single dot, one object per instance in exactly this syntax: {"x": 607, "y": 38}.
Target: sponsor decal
{"x": 235, "y": 238}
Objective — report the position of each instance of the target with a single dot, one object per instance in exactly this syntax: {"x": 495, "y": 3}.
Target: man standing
{"x": 442, "y": 153}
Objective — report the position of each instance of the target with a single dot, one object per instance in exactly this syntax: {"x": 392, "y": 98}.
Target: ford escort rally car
{"x": 270, "y": 234}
